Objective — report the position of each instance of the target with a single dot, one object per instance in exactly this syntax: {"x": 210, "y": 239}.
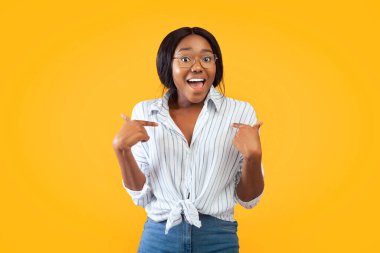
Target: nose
{"x": 197, "y": 67}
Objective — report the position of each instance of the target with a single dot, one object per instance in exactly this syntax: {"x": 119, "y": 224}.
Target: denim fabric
{"x": 215, "y": 235}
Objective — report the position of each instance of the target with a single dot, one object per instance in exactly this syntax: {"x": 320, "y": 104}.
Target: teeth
{"x": 196, "y": 80}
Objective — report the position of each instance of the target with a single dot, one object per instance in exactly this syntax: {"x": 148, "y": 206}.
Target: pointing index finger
{"x": 147, "y": 123}
{"x": 237, "y": 125}
{"x": 142, "y": 122}
{"x": 124, "y": 117}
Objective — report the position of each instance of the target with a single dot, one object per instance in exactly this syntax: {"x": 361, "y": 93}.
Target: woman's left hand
{"x": 247, "y": 140}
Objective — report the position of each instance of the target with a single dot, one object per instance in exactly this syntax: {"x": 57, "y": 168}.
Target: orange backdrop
{"x": 69, "y": 69}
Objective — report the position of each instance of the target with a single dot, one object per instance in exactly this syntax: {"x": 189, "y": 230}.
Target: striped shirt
{"x": 187, "y": 179}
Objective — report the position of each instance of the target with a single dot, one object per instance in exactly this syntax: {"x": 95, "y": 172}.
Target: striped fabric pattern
{"x": 187, "y": 179}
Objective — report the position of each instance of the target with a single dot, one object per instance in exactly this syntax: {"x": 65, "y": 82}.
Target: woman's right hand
{"x": 131, "y": 132}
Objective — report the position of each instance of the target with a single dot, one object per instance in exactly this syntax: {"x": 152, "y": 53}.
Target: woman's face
{"x": 189, "y": 93}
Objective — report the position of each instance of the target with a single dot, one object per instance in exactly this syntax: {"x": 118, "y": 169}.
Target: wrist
{"x": 118, "y": 147}
{"x": 253, "y": 157}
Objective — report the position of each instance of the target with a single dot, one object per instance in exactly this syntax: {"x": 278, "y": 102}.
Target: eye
{"x": 206, "y": 59}
{"x": 185, "y": 59}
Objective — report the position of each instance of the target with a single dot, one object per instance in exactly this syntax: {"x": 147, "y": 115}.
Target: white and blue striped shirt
{"x": 200, "y": 178}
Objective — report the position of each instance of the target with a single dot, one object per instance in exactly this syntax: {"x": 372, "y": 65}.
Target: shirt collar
{"x": 213, "y": 95}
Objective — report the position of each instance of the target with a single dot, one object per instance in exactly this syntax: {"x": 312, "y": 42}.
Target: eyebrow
{"x": 190, "y": 48}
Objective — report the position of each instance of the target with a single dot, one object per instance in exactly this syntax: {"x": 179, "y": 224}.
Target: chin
{"x": 196, "y": 98}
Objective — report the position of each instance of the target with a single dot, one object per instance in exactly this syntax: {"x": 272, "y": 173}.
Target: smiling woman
{"x": 190, "y": 156}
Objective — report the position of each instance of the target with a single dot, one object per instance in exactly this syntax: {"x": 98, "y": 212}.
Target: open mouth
{"x": 196, "y": 83}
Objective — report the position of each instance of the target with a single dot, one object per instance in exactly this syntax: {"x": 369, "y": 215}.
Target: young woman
{"x": 191, "y": 155}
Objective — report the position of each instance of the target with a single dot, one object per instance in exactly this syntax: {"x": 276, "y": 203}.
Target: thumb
{"x": 258, "y": 124}
{"x": 126, "y": 118}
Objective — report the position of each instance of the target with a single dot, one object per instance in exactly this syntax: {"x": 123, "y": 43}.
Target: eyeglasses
{"x": 187, "y": 61}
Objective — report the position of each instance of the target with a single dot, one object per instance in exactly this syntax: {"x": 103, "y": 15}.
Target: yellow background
{"x": 68, "y": 70}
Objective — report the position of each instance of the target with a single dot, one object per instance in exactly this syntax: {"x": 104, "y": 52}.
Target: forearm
{"x": 133, "y": 177}
{"x": 251, "y": 183}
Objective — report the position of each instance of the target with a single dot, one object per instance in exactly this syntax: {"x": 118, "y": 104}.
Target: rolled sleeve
{"x": 142, "y": 197}
{"x": 247, "y": 204}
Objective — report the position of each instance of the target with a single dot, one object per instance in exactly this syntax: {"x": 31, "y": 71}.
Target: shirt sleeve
{"x": 144, "y": 196}
{"x": 249, "y": 119}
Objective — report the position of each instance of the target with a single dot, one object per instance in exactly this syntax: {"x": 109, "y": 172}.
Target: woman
{"x": 188, "y": 157}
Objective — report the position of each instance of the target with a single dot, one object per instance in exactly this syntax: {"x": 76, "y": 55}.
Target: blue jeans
{"x": 215, "y": 235}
